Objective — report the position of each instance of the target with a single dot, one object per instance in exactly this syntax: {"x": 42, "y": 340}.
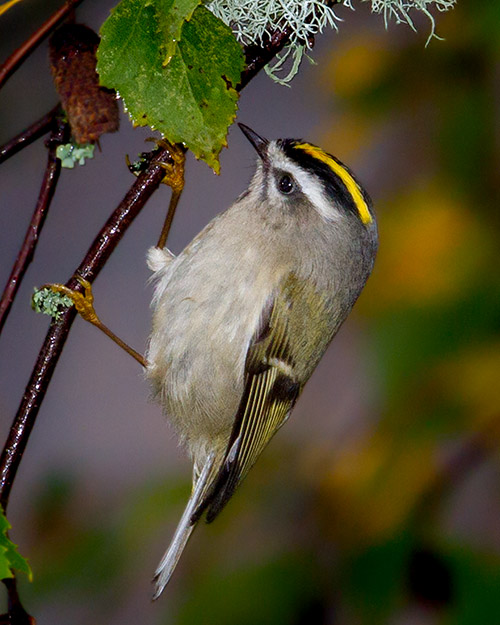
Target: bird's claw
{"x": 84, "y": 302}
{"x": 174, "y": 167}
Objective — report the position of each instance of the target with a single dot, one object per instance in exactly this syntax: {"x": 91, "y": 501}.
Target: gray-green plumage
{"x": 243, "y": 315}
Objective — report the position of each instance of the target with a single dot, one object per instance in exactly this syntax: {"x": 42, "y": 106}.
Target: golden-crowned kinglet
{"x": 243, "y": 315}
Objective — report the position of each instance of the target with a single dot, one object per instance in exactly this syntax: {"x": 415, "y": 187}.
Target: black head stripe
{"x": 338, "y": 180}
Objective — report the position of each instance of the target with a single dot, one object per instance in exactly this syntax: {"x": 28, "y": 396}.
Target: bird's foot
{"x": 84, "y": 302}
{"x": 174, "y": 166}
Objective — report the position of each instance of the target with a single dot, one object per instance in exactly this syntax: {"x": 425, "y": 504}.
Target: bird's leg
{"x": 174, "y": 177}
{"x": 84, "y": 304}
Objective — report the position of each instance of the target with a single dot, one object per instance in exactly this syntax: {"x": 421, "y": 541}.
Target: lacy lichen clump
{"x": 253, "y": 21}
{"x": 48, "y": 302}
{"x": 399, "y": 10}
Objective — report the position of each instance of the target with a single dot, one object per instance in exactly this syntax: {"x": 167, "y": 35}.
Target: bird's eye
{"x": 286, "y": 184}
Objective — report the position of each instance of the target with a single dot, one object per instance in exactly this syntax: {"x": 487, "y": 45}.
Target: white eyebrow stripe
{"x": 308, "y": 182}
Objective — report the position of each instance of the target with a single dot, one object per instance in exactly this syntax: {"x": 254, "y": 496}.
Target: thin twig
{"x": 32, "y": 133}
{"x": 58, "y": 135}
{"x": 257, "y": 57}
{"x": 22, "y": 53}
{"x": 17, "y": 615}
{"x": 90, "y": 267}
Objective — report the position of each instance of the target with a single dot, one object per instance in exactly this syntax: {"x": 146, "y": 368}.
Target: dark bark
{"x": 59, "y": 135}
{"x": 32, "y": 133}
{"x": 22, "y": 53}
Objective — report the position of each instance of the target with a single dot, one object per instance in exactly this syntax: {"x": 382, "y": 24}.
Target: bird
{"x": 242, "y": 316}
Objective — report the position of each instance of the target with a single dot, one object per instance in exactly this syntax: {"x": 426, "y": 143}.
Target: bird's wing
{"x": 270, "y": 391}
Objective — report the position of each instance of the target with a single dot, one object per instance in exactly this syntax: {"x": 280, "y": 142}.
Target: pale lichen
{"x": 49, "y": 302}
{"x": 71, "y": 154}
{"x": 399, "y": 10}
{"x": 253, "y": 21}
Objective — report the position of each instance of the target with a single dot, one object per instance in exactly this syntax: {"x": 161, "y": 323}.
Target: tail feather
{"x": 184, "y": 529}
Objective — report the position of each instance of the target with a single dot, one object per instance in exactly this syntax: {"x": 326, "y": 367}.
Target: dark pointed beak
{"x": 258, "y": 143}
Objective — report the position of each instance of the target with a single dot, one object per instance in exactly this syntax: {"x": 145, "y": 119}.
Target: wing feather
{"x": 271, "y": 390}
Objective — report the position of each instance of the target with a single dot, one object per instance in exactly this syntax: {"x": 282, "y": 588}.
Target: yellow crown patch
{"x": 344, "y": 175}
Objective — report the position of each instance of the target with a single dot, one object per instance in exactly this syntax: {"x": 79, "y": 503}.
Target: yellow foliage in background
{"x": 472, "y": 377}
{"x": 431, "y": 248}
{"x": 356, "y": 66}
{"x": 372, "y": 486}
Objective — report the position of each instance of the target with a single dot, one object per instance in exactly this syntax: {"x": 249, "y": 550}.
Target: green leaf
{"x": 171, "y": 18}
{"x": 190, "y": 98}
{"x": 9, "y": 556}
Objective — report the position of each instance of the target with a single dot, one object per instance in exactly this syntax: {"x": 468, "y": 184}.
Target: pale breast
{"x": 205, "y": 314}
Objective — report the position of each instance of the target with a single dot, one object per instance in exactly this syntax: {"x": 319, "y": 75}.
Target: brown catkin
{"x": 92, "y": 110}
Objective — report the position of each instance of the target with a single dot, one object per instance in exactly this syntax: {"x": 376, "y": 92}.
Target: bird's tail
{"x": 184, "y": 529}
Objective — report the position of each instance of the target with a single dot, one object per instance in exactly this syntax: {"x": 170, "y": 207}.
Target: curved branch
{"x": 17, "y": 614}
{"x": 257, "y": 57}
{"x": 32, "y": 133}
{"x": 25, "y": 256}
{"x": 22, "y": 53}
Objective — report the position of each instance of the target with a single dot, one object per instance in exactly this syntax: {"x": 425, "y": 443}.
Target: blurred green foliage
{"x": 280, "y": 590}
